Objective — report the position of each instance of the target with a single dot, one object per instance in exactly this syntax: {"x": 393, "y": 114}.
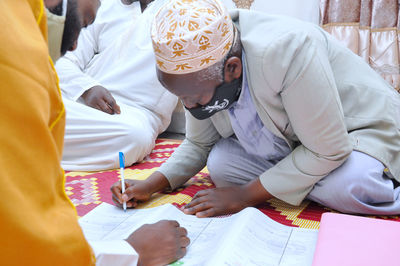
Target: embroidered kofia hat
{"x": 191, "y": 35}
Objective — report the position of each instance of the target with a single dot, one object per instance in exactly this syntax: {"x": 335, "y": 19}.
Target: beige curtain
{"x": 370, "y": 29}
{"x": 367, "y": 27}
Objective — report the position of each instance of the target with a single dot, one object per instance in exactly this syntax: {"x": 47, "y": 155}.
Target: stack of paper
{"x": 246, "y": 238}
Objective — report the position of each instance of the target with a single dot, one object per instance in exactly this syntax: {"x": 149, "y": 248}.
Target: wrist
{"x": 156, "y": 182}
{"x": 254, "y": 193}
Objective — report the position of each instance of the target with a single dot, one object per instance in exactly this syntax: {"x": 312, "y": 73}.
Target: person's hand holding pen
{"x": 135, "y": 191}
{"x": 138, "y": 190}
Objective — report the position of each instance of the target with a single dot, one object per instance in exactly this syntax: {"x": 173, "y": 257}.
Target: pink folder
{"x": 354, "y": 240}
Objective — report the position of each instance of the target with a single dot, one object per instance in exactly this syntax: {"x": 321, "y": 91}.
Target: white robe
{"x": 116, "y": 53}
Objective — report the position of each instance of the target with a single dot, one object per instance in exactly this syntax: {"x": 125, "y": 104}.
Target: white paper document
{"x": 246, "y": 238}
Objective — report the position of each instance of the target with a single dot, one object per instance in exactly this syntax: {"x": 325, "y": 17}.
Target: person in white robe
{"x": 113, "y": 99}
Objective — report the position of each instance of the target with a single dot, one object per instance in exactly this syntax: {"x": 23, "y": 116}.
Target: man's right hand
{"x": 160, "y": 243}
{"x": 100, "y": 98}
{"x": 135, "y": 190}
{"x": 138, "y": 190}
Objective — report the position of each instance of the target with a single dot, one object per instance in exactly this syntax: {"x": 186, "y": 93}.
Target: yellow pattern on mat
{"x": 137, "y": 174}
{"x": 169, "y": 141}
{"x": 161, "y": 199}
{"x": 74, "y": 174}
{"x": 292, "y": 213}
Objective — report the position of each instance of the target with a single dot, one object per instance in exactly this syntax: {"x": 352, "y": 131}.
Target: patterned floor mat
{"x": 89, "y": 189}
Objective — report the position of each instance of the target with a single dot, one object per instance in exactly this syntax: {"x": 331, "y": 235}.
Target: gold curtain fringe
{"x": 370, "y": 29}
{"x": 246, "y": 4}
{"x": 380, "y": 48}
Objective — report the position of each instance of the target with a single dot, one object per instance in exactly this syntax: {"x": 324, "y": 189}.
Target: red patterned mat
{"x": 88, "y": 189}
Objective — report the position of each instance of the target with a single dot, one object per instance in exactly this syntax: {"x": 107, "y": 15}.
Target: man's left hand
{"x": 217, "y": 201}
{"x": 227, "y": 200}
{"x": 100, "y": 98}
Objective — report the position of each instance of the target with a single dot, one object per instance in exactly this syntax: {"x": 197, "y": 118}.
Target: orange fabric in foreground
{"x": 38, "y": 223}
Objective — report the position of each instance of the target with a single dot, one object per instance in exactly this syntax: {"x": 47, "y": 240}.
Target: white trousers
{"x": 359, "y": 185}
{"x": 94, "y": 138}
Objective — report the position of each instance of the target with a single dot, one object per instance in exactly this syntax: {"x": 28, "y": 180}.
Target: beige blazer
{"x": 311, "y": 91}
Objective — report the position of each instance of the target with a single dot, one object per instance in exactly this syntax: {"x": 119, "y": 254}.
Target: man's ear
{"x": 232, "y": 68}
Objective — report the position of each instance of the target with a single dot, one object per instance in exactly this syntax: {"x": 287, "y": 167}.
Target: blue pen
{"x": 121, "y": 171}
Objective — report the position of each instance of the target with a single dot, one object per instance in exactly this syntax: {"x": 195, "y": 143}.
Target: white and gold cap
{"x": 191, "y": 35}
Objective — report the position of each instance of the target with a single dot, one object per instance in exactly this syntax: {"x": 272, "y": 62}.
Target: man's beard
{"x": 57, "y": 10}
{"x": 72, "y": 27}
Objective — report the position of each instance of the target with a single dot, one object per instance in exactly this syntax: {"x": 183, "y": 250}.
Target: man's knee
{"x": 229, "y": 164}
{"x": 219, "y": 165}
{"x": 350, "y": 192}
{"x": 138, "y": 135}
{"x": 137, "y": 142}
{"x": 216, "y": 165}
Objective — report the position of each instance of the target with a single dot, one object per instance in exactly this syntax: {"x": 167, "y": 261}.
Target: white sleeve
{"x": 117, "y": 252}
{"x": 71, "y": 67}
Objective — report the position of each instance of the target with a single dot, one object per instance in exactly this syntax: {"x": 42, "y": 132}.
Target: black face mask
{"x": 225, "y": 95}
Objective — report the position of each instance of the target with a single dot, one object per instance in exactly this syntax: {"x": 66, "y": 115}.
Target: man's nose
{"x": 189, "y": 104}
